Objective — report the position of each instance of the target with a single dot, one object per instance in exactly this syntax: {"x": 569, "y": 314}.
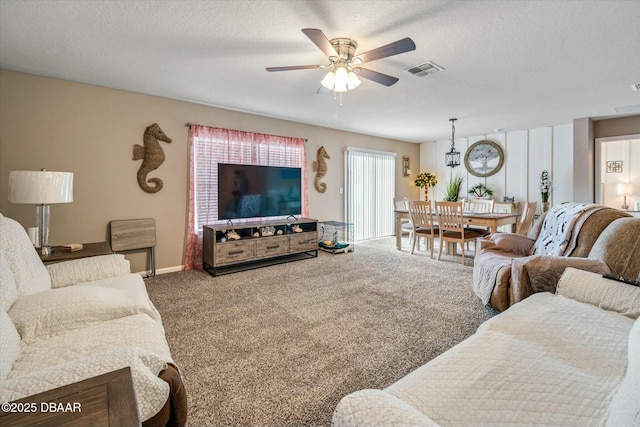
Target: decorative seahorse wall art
{"x": 152, "y": 157}
{"x": 320, "y": 168}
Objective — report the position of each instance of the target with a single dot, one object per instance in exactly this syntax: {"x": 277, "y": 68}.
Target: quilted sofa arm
{"x": 540, "y": 273}
{"x": 87, "y": 270}
{"x": 377, "y": 408}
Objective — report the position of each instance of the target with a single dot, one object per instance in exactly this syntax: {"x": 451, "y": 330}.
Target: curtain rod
{"x": 191, "y": 124}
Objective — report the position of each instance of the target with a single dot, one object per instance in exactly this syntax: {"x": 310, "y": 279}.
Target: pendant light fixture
{"x": 452, "y": 158}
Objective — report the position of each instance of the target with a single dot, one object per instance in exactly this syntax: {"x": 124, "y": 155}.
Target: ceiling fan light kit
{"x": 341, "y": 79}
{"x": 341, "y": 55}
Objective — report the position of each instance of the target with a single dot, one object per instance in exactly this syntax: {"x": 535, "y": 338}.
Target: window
{"x": 209, "y": 146}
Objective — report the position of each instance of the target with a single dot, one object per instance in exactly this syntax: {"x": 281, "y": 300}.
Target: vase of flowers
{"x": 426, "y": 180}
{"x": 545, "y": 189}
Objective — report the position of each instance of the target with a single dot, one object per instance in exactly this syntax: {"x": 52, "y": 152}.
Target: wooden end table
{"x": 88, "y": 250}
{"x": 106, "y": 400}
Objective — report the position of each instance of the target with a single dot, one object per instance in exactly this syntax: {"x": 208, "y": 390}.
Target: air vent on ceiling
{"x": 425, "y": 69}
{"x": 635, "y": 86}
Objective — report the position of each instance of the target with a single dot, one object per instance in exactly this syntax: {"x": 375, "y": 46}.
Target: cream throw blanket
{"x": 561, "y": 228}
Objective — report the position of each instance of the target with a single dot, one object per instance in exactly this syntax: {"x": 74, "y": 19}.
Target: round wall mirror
{"x": 484, "y": 158}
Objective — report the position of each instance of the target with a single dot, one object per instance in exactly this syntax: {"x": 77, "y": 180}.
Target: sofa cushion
{"x": 619, "y": 247}
{"x": 57, "y": 311}
{"x": 625, "y": 405}
{"x": 547, "y": 360}
{"x": 9, "y": 344}
{"x": 592, "y": 288}
{"x": 8, "y": 286}
{"x": 28, "y": 270}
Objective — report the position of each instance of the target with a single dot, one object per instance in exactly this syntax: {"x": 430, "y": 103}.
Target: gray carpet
{"x": 281, "y": 345}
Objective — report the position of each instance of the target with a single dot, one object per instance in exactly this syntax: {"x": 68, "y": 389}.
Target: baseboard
{"x": 162, "y": 270}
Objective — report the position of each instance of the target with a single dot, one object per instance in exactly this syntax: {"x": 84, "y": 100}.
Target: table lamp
{"x": 41, "y": 188}
{"x": 624, "y": 190}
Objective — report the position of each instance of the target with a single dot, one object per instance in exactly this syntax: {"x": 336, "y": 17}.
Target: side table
{"x": 106, "y": 400}
{"x": 88, "y": 250}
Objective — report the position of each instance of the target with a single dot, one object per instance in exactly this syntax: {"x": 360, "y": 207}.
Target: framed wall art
{"x": 484, "y": 158}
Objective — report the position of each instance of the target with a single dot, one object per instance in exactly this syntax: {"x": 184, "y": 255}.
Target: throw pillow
{"x": 512, "y": 243}
{"x": 592, "y": 288}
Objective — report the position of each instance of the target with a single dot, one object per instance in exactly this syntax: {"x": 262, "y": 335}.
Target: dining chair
{"x": 402, "y": 204}
{"x": 479, "y": 206}
{"x": 526, "y": 219}
{"x": 449, "y": 217}
{"x": 423, "y": 225}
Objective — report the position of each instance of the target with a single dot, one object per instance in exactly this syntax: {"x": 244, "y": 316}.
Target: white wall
{"x": 527, "y": 152}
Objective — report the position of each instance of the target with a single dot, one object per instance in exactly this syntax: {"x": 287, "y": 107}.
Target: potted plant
{"x": 426, "y": 180}
{"x": 453, "y": 188}
{"x": 481, "y": 191}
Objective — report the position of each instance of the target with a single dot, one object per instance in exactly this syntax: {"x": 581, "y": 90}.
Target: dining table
{"x": 491, "y": 220}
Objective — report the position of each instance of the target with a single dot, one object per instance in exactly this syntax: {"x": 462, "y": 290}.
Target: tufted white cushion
{"x": 592, "y": 288}
{"x": 9, "y": 344}
{"x": 8, "y": 287}
{"x": 625, "y": 405}
{"x": 28, "y": 270}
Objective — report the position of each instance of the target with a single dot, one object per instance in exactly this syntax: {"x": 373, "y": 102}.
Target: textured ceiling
{"x": 508, "y": 64}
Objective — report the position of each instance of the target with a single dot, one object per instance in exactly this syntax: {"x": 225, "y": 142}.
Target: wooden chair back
{"x": 449, "y": 216}
{"x": 479, "y": 205}
{"x": 423, "y": 224}
{"x": 526, "y": 219}
{"x": 400, "y": 203}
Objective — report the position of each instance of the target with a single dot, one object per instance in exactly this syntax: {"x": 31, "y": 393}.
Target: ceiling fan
{"x": 345, "y": 65}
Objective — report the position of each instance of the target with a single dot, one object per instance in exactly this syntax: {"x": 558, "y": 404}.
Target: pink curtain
{"x": 209, "y": 146}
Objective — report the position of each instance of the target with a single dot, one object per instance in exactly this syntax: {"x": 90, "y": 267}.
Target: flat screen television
{"x": 249, "y": 191}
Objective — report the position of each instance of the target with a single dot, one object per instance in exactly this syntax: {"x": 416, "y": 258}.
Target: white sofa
{"x": 569, "y": 359}
{"x": 74, "y": 320}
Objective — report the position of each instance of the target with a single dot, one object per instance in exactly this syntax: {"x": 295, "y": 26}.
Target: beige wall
{"x": 90, "y": 131}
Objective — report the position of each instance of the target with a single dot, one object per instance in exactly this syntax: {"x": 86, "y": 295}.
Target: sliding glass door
{"x": 370, "y": 189}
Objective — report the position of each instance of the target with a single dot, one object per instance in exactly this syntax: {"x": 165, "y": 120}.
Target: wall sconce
{"x": 405, "y": 166}
{"x": 624, "y": 190}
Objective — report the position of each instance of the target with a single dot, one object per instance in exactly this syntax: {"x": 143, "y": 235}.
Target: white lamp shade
{"x": 624, "y": 189}
{"x": 40, "y": 187}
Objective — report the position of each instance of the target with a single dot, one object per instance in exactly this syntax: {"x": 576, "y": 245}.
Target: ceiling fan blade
{"x": 395, "y": 48}
{"x": 322, "y": 90}
{"x": 320, "y": 40}
{"x": 383, "y": 79}
{"x": 294, "y": 67}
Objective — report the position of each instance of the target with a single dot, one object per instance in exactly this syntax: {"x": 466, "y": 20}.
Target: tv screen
{"x": 248, "y": 191}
